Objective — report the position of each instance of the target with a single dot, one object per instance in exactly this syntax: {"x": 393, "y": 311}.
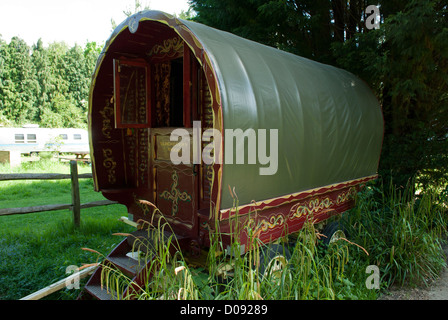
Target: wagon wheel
{"x": 273, "y": 262}
{"x": 333, "y": 232}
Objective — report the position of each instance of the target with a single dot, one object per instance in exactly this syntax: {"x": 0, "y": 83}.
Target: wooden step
{"x": 96, "y": 292}
{"x": 93, "y": 290}
{"x": 130, "y": 267}
{"x": 119, "y": 260}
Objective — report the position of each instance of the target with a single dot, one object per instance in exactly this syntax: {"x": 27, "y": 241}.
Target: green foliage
{"x": 406, "y": 63}
{"x": 18, "y": 84}
{"x": 417, "y": 87}
{"x": 311, "y": 273}
{"x": 47, "y": 85}
{"x": 402, "y": 232}
{"x": 306, "y": 27}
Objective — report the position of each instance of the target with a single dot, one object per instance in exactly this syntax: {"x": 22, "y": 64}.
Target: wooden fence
{"x": 75, "y": 206}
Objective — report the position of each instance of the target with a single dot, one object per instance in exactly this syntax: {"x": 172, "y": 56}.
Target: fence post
{"x": 76, "y": 201}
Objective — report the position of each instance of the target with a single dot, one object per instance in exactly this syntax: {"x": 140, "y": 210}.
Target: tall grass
{"x": 398, "y": 231}
{"x": 310, "y": 272}
{"x": 403, "y": 232}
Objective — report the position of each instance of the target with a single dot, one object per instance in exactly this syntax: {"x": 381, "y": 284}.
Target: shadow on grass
{"x": 38, "y": 254}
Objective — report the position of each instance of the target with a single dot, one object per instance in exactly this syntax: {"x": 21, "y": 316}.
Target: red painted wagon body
{"x": 158, "y": 73}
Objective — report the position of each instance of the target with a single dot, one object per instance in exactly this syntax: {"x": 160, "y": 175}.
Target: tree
{"x": 19, "y": 86}
{"x": 415, "y": 81}
{"x": 91, "y": 53}
{"x": 44, "y": 78}
{"x": 304, "y": 27}
{"x": 406, "y": 63}
{"x": 45, "y": 85}
{"x": 77, "y": 76}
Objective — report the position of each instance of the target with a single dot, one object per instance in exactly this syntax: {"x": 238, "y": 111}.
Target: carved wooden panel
{"x": 132, "y": 94}
{"x": 207, "y": 123}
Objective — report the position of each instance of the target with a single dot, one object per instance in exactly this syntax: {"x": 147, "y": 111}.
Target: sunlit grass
{"x": 36, "y": 248}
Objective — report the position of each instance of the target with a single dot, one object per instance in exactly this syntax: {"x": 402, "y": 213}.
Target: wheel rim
{"x": 337, "y": 235}
{"x": 275, "y": 268}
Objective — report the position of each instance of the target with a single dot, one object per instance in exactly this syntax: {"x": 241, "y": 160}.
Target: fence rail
{"x": 75, "y": 206}
{"x": 39, "y": 176}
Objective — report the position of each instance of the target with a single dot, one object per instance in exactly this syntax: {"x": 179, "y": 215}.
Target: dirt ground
{"x": 438, "y": 290}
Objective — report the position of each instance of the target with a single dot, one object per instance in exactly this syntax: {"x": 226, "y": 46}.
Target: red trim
{"x": 279, "y": 221}
{"x": 275, "y": 202}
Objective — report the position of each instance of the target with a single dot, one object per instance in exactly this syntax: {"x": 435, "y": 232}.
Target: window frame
{"x": 31, "y": 138}
{"x": 140, "y": 63}
{"x": 17, "y": 138}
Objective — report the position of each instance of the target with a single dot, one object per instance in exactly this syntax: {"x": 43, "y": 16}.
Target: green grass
{"x": 403, "y": 233}
{"x": 400, "y": 232}
{"x": 36, "y": 248}
{"x": 312, "y": 273}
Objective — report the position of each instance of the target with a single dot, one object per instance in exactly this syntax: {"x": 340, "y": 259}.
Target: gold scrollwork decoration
{"x": 146, "y": 206}
{"x": 174, "y": 195}
{"x": 107, "y": 114}
{"x": 208, "y": 185}
{"x": 346, "y": 196}
{"x": 143, "y": 156}
{"x": 265, "y": 224}
{"x": 170, "y": 47}
{"x": 110, "y": 165}
{"x": 313, "y": 206}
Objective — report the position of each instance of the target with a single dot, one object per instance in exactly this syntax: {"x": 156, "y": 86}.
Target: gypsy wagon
{"x": 157, "y": 74}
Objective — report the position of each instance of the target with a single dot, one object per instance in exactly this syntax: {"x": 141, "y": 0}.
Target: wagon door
{"x": 154, "y": 97}
{"x": 175, "y": 185}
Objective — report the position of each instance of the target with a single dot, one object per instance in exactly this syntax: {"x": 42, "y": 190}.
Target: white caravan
{"x": 32, "y": 140}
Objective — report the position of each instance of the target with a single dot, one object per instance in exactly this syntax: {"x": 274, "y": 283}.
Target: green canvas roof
{"x": 330, "y": 124}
